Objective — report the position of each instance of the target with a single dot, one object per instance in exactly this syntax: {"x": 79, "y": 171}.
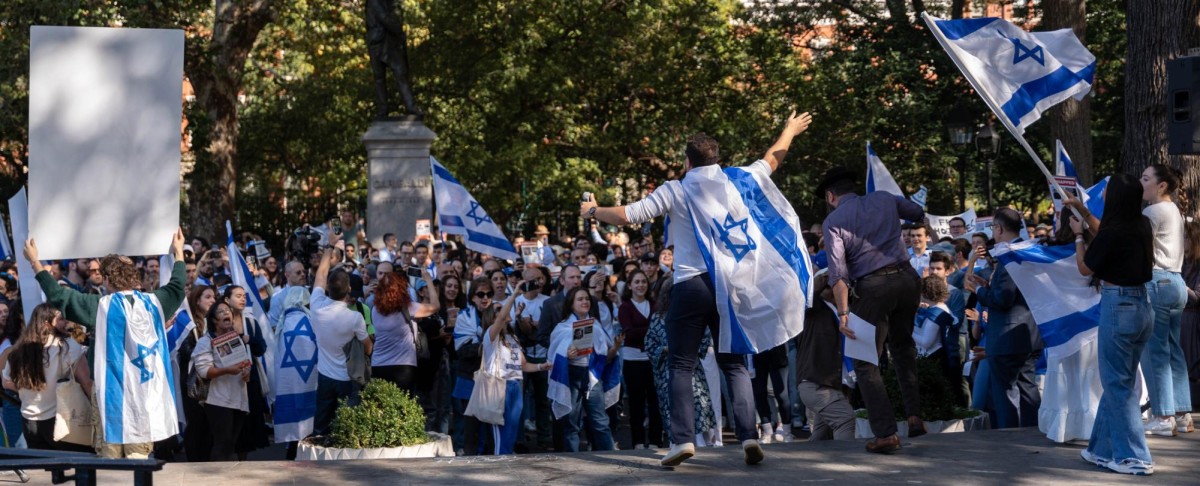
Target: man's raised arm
{"x": 796, "y": 124}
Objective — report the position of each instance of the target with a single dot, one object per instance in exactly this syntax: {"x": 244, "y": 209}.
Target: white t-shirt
{"x": 630, "y": 353}
{"x": 509, "y": 361}
{"x": 227, "y": 391}
{"x": 533, "y": 310}
{"x": 1167, "y": 225}
{"x": 394, "y": 343}
{"x": 41, "y": 405}
{"x": 669, "y": 199}
{"x": 335, "y": 325}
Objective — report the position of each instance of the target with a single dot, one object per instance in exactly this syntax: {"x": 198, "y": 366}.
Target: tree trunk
{"x": 217, "y": 78}
{"x": 956, "y": 8}
{"x": 1071, "y": 121}
{"x": 1157, "y": 31}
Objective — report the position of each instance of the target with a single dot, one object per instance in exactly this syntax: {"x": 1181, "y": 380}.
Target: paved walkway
{"x": 1010, "y": 457}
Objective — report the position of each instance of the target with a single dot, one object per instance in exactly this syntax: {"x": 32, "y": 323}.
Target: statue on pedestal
{"x": 387, "y": 46}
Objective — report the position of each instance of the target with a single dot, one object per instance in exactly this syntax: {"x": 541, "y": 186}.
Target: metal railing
{"x": 85, "y": 465}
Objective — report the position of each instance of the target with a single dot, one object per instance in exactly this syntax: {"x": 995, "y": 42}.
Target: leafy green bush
{"x": 386, "y": 417}
{"x": 937, "y": 401}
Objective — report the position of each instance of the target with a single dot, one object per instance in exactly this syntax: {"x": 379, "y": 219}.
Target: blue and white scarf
{"x": 600, "y": 370}
{"x": 135, "y": 390}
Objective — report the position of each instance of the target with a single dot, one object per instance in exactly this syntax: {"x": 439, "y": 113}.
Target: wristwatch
{"x": 592, "y": 212}
{"x": 843, "y": 313}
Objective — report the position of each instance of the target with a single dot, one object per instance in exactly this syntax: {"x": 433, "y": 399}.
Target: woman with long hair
{"x": 254, "y": 434}
{"x": 394, "y": 316}
{"x": 1163, "y": 362}
{"x": 434, "y": 380}
{"x": 503, "y": 355}
{"x": 9, "y": 335}
{"x": 44, "y": 355}
{"x": 468, "y": 337}
{"x": 585, "y": 393}
{"x": 1122, "y": 256}
{"x": 196, "y": 437}
{"x": 634, "y": 316}
{"x": 227, "y": 403}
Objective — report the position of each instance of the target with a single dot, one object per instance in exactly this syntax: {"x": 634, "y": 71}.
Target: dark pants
{"x": 329, "y": 392}
{"x": 889, "y": 301}
{"x": 762, "y": 400}
{"x": 639, "y": 380}
{"x": 400, "y": 375}
{"x": 694, "y": 310}
{"x": 226, "y": 425}
{"x": 538, "y": 405}
{"x": 470, "y": 428}
{"x": 39, "y": 434}
{"x": 1014, "y": 390}
{"x": 197, "y": 440}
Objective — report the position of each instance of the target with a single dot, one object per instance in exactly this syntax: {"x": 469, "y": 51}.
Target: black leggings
{"x": 639, "y": 378}
{"x": 781, "y": 397}
{"x": 400, "y": 375}
{"x": 225, "y": 425}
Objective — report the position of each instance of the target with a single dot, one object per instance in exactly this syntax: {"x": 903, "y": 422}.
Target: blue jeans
{"x": 592, "y": 404}
{"x": 1125, "y": 326}
{"x": 1163, "y": 363}
{"x": 504, "y": 437}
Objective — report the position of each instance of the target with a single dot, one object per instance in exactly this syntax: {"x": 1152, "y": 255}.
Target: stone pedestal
{"x": 399, "y": 184}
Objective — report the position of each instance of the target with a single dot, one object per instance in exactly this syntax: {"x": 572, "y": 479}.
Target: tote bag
{"x": 487, "y": 397}
{"x": 73, "y": 415}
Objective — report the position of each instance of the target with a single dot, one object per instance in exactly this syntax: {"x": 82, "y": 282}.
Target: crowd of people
{"x": 426, "y": 315}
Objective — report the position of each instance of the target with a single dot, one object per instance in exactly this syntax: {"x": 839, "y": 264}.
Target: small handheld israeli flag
{"x": 1019, "y": 74}
{"x": 461, "y": 214}
{"x": 921, "y": 196}
{"x": 1062, "y": 161}
{"x": 878, "y": 177}
{"x": 1095, "y": 200}
{"x": 1064, "y": 304}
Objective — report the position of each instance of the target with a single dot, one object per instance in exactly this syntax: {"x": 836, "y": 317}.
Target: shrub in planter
{"x": 386, "y": 417}
{"x": 937, "y": 402}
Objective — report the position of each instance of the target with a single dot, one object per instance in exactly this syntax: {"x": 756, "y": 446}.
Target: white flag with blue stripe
{"x": 6, "y": 246}
{"x": 1095, "y": 202}
{"x": 461, "y": 214}
{"x": 134, "y": 381}
{"x": 1064, "y": 303}
{"x": 1062, "y": 162}
{"x": 878, "y": 177}
{"x": 242, "y": 277}
{"x": 600, "y": 370}
{"x": 749, "y": 236}
{"x": 178, "y": 332}
{"x": 295, "y": 364}
{"x": 1019, "y": 73}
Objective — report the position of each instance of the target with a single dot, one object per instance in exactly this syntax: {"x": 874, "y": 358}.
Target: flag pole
{"x": 1037, "y": 160}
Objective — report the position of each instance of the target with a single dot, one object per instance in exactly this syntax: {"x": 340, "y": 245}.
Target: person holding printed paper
{"x": 583, "y": 383}
{"x": 228, "y": 401}
{"x": 502, "y": 352}
{"x": 133, "y": 391}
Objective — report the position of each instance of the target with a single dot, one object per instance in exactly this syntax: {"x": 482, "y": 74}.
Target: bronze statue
{"x": 387, "y": 46}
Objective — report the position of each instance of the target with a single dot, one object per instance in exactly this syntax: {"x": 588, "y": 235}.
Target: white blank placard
{"x": 104, "y": 130}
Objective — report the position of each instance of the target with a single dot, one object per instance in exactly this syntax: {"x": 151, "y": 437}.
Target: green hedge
{"x": 937, "y": 402}
{"x": 386, "y": 417}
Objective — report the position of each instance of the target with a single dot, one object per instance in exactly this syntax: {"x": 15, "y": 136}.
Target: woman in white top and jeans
{"x": 1163, "y": 362}
{"x": 42, "y": 356}
{"x": 509, "y": 364}
{"x": 228, "y": 402}
{"x": 394, "y": 317}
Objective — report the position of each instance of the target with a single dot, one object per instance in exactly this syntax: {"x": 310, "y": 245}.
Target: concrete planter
{"x": 862, "y": 429}
{"x": 438, "y": 446}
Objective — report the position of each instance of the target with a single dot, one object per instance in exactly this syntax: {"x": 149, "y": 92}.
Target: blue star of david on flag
{"x": 474, "y": 214}
{"x": 739, "y": 251}
{"x": 144, "y": 352}
{"x": 1023, "y": 52}
{"x": 304, "y": 367}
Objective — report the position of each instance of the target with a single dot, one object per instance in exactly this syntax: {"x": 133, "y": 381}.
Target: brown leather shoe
{"x": 886, "y": 444}
{"x": 916, "y": 427}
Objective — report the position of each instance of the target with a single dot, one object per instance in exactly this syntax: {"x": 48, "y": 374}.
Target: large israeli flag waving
{"x": 749, "y": 236}
{"x": 242, "y": 277}
{"x": 134, "y": 379}
{"x": 878, "y": 177}
{"x": 1064, "y": 303}
{"x": 461, "y": 214}
{"x": 1019, "y": 73}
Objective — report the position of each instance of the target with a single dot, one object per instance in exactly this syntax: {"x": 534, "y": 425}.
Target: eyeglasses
{"x": 485, "y": 295}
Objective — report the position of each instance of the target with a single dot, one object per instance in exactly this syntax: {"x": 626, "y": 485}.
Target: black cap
{"x": 834, "y": 176}
{"x": 649, "y": 257}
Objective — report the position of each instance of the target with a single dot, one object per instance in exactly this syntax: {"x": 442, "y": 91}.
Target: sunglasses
{"x": 483, "y": 295}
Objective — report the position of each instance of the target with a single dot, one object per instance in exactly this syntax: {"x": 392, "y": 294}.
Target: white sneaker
{"x": 783, "y": 434}
{"x": 765, "y": 433}
{"x": 638, "y": 447}
{"x": 753, "y": 451}
{"x": 678, "y": 454}
{"x": 1089, "y": 457}
{"x": 1131, "y": 466}
{"x": 1162, "y": 427}
{"x": 530, "y": 426}
{"x": 1183, "y": 424}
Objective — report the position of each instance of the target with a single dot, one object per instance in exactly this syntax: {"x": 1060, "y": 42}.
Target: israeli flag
{"x": 180, "y": 328}
{"x": 1095, "y": 201}
{"x": 600, "y": 370}
{"x": 461, "y": 214}
{"x": 295, "y": 364}
{"x": 242, "y": 277}
{"x": 1062, "y": 162}
{"x": 920, "y": 197}
{"x": 6, "y": 246}
{"x": 878, "y": 177}
{"x": 133, "y": 376}
{"x": 1019, "y": 73}
{"x": 1064, "y": 303}
{"x": 749, "y": 237}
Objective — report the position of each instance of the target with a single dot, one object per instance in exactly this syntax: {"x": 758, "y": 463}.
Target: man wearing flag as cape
{"x": 741, "y": 272}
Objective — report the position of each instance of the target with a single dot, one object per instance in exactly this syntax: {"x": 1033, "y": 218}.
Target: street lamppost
{"x": 958, "y": 127}
{"x": 987, "y": 142}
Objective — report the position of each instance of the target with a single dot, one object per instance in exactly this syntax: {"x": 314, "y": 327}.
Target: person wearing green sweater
{"x": 121, "y": 277}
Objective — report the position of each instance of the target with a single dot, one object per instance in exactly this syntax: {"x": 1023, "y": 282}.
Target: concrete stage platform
{"x": 1007, "y": 457}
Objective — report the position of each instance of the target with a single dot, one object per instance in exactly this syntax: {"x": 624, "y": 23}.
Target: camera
{"x": 530, "y": 286}
{"x": 303, "y": 243}
{"x": 414, "y": 272}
